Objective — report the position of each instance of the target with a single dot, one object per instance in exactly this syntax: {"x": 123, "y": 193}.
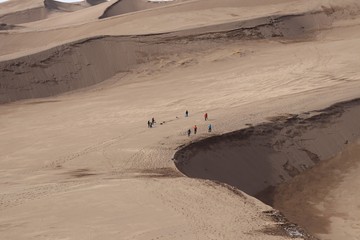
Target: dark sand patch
{"x": 80, "y": 173}
{"x": 310, "y": 193}
{"x": 284, "y": 227}
{"x": 25, "y": 16}
{"x": 258, "y": 159}
{"x": 90, "y": 61}
{"x": 128, "y": 6}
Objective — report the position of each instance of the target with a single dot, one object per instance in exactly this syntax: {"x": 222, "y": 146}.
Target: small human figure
{"x": 186, "y": 113}
{"x": 209, "y": 128}
{"x": 206, "y": 116}
{"x": 189, "y": 132}
{"x": 152, "y": 121}
{"x": 149, "y": 124}
{"x": 195, "y": 129}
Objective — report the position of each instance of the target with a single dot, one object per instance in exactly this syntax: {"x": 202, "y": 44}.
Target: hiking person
{"x": 186, "y": 113}
{"x": 206, "y": 116}
{"x": 195, "y": 129}
{"x": 152, "y": 121}
{"x": 209, "y": 128}
{"x": 149, "y": 124}
{"x": 189, "y": 132}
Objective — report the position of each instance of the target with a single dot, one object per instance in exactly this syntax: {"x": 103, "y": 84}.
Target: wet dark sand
{"x": 290, "y": 151}
{"x": 324, "y": 199}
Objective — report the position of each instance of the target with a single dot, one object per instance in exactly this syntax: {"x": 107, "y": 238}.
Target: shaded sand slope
{"x": 78, "y": 65}
{"x": 193, "y": 14}
{"x": 74, "y": 66}
{"x": 325, "y": 197}
{"x": 89, "y": 156}
{"x": 258, "y": 158}
{"x": 39, "y": 10}
{"x": 127, "y": 6}
{"x": 17, "y": 11}
{"x": 24, "y": 16}
{"x": 69, "y": 7}
{"x": 86, "y": 160}
{"x": 95, "y": 2}
{"x": 84, "y": 165}
{"x": 19, "y": 5}
{"x": 67, "y": 18}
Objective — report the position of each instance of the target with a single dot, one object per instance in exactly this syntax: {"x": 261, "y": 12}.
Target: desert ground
{"x": 279, "y": 80}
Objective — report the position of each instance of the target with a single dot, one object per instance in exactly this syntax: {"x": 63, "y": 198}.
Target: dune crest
{"x": 127, "y": 6}
{"x": 91, "y": 68}
{"x": 104, "y": 133}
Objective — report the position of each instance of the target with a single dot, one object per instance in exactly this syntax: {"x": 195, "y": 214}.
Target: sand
{"x": 285, "y": 163}
{"x": 78, "y": 160}
{"x": 129, "y": 6}
{"x": 326, "y": 196}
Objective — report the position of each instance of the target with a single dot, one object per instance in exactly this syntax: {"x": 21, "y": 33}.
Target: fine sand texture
{"x": 39, "y": 10}
{"x": 260, "y": 158}
{"x": 128, "y": 6}
{"x": 78, "y": 161}
{"x": 324, "y": 199}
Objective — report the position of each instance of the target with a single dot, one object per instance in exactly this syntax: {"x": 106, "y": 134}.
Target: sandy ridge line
{"x": 258, "y": 158}
{"x": 26, "y": 73}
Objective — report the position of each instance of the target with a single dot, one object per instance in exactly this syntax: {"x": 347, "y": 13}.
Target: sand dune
{"x": 127, "y": 6}
{"x": 166, "y": 21}
{"x": 15, "y": 11}
{"x": 111, "y": 55}
{"x": 262, "y": 161}
{"x": 326, "y": 202}
{"x": 95, "y": 2}
{"x": 18, "y": 5}
{"x": 48, "y": 8}
{"x": 5, "y": 26}
{"x": 78, "y": 161}
{"x": 261, "y": 157}
{"x": 25, "y": 16}
{"x": 66, "y": 7}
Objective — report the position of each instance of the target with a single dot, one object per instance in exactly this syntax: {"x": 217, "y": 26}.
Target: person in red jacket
{"x": 206, "y": 116}
{"x": 195, "y": 129}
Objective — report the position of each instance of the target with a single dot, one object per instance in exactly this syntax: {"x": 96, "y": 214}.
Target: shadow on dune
{"x": 128, "y": 6}
{"x": 43, "y": 12}
{"x": 95, "y": 2}
{"x": 258, "y": 159}
{"x": 25, "y": 16}
{"x": 70, "y": 7}
{"x": 90, "y": 61}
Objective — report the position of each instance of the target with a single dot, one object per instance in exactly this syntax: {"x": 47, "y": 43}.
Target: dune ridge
{"x": 25, "y": 16}
{"x": 44, "y": 11}
{"x": 61, "y": 6}
{"x": 95, "y": 2}
{"x": 278, "y": 150}
{"x": 86, "y": 165}
{"x": 259, "y": 158}
{"x": 72, "y": 66}
{"x": 127, "y": 6}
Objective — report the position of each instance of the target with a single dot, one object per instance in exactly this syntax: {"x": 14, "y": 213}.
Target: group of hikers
{"x": 195, "y": 127}
{"x": 152, "y": 122}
